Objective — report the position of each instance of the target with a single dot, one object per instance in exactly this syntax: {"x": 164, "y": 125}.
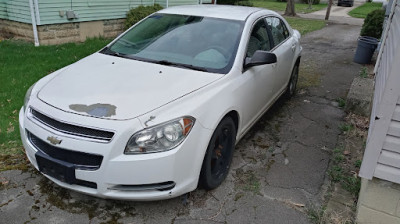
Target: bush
{"x": 281, "y": 0}
{"x": 235, "y": 2}
{"x": 373, "y": 24}
{"x": 136, "y": 14}
{"x": 226, "y": 2}
{"x": 245, "y": 3}
{"x": 315, "y": 2}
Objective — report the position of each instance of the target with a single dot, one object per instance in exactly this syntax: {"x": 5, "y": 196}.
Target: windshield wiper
{"x": 169, "y": 63}
{"x": 108, "y": 51}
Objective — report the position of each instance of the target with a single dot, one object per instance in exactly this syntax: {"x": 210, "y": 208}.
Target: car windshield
{"x": 199, "y": 43}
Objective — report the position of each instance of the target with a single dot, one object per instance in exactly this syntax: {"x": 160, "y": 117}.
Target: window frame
{"x": 269, "y": 31}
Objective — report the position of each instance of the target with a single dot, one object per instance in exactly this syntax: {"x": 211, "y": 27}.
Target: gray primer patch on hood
{"x": 97, "y": 110}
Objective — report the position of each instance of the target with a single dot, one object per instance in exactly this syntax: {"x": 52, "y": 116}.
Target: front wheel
{"x": 291, "y": 88}
{"x": 219, "y": 155}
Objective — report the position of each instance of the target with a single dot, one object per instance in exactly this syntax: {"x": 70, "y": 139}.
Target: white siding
{"x": 386, "y": 56}
{"x": 382, "y": 154}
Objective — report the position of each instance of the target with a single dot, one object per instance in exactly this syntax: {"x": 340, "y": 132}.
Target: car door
{"x": 260, "y": 80}
{"x": 284, "y": 47}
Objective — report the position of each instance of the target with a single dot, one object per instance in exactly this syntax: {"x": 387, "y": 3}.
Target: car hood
{"x": 117, "y": 88}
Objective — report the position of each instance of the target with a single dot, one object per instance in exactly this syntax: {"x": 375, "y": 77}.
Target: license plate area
{"x": 57, "y": 169}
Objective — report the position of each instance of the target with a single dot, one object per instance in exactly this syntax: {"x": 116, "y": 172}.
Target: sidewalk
{"x": 338, "y": 15}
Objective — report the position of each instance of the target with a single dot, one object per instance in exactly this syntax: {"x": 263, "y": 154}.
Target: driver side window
{"x": 259, "y": 39}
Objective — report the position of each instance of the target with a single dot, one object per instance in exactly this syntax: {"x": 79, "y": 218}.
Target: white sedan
{"x": 159, "y": 110}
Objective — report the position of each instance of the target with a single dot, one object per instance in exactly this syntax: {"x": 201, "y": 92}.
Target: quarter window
{"x": 278, "y": 30}
{"x": 259, "y": 39}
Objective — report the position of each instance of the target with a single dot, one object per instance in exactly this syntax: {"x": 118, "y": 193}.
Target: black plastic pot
{"x": 365, "y": 49}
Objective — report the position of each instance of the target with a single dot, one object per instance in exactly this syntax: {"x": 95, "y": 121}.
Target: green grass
{"x": 364, "y": 72}
{"x": 281, "y": 6}
{"x": 21, "y": 65}
{"x": 346, "y": 127}
{"x": 340, "y": 172}
{"x": 362, "y": 10}
{"x": 341, "y": 102}
{"x": 305, "y": 25}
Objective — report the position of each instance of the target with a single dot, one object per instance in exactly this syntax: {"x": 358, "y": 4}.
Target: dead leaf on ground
{"x": 3, "y": 181}
{"x": 10, "y": 128}
{"x": 299, "y": 205}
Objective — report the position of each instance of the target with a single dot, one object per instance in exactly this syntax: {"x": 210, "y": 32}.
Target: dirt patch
{"x": 308, "y": 75}
{"x": 14, "y": 162}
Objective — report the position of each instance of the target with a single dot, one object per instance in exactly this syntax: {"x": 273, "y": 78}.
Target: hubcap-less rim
{"x": 221, "y": 153}
{"x": 293, "y": 80}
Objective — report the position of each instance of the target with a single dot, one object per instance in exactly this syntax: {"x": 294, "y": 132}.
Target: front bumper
{"x": 120, "y": 176}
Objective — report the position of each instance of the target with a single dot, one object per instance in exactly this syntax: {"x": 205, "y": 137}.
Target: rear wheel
{"x": 291, "y": 88}
{"x": 219, "y": 155}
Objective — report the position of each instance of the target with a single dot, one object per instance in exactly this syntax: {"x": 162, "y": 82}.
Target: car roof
{"x": 216, "y": 11}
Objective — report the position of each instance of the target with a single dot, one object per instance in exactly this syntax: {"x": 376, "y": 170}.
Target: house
{"x": 60, "y": 21}
{"x": 379, "y": 199}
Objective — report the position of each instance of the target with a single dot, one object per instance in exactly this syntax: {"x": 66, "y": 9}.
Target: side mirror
{"x": 260, "y": 58}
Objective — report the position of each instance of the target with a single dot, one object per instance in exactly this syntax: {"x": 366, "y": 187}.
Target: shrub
{"x": 235, "y": 2}
{"x": 136, "y": 14}
{"x": 373, "y": 24}
{"x": 315, "y": 2}
{"x": 226, "y": 2}
{"x": 245, "y": 3}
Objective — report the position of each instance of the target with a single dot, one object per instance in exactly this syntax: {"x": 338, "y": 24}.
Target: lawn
{"x": 363, "y": 10}
{"x": 22, "y": 64}
{"x": 305, "y": 25}
{"x": 281, "y": 6}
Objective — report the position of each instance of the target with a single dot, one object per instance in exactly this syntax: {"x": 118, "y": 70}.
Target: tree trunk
{"x": 328, "y": 10}
{"x": 310, "y": 4}
{"x": 290, "y": 11}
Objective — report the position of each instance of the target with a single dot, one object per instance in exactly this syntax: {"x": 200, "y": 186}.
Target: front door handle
{"x": 293, "y": 47}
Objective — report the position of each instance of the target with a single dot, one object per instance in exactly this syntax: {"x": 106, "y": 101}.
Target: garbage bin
{"x": 365, "y": 49}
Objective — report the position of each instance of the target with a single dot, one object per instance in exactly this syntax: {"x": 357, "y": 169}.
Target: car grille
{"x": 81, "y": 160}
{"x": 72, "y": 129}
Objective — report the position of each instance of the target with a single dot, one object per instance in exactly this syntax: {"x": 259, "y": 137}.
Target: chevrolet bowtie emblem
{"x": 54, "y": 140}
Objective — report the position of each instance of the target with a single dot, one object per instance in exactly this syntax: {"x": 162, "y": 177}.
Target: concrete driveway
{"x": 279, "y": 167}
{"x": 338, "y": 14}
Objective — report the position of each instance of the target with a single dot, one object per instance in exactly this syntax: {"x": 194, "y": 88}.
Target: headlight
{"x": 160, "y": 138}
{"x": 28, "y": 95}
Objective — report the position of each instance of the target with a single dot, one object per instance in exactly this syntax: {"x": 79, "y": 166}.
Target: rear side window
{"x": 278, "y": 30}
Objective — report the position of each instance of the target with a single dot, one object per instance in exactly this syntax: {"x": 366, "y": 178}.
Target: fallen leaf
{"x": 298, "y": 205}
{"x": 345, "y": 152}
{"x": 3, "y": 181}
{"x": 10, "y": 128}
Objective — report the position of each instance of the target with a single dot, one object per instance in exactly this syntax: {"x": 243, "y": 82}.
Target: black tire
{"x": 291, "y": 87}
{"x": 218, "y": 158}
